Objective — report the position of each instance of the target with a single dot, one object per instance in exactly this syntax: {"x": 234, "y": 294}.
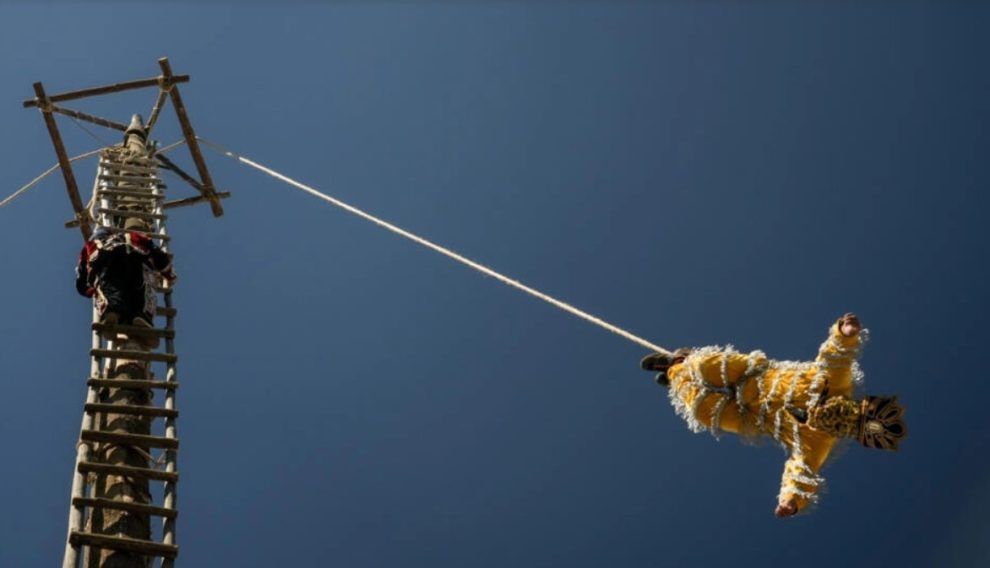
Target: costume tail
{"x": 881, "y": 423}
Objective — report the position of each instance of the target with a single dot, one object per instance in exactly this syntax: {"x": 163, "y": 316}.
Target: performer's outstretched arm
{"x": 801, "y": 482}
{"x": 838, "y": 353}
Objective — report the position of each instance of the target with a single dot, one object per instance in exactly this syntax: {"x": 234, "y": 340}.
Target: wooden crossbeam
{"x": 131, "y": 384}
{"x": 170, "y": 165}
{"x": 89, "y": 118}
{"x": 146, "y": 547}
{"x": 184, "y": 202}
{"x": 131, "y": 409}
{"x": 134, "y": 214}
{"x": 209, "y": 190}
{"x": 155, "y": 111}
{"x": 116, "y": 87}
{"x": 134, "y": 355}
{"x": 139, "y": 508}
{"x": 193, "y": 200}
{"x": 129, "y": 471}
{"x": 63, "y": 161}
{"x": 130, "y": 168}
{"x": 135, "y": 179}
{"x": 128, "y": 193}
{"x": 122, "y": 439}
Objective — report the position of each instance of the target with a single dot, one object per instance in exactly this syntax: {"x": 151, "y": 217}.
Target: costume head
{"x": 882, "y": 426}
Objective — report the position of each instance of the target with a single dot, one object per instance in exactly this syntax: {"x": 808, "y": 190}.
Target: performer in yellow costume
{"x": 805, "y": 406}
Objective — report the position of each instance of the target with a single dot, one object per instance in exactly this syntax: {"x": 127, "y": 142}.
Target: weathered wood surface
{"x": 170, "y": 165}
{"x": 89, "y": 118}
{"x": 156, "y": 109}
{"x": 114, "y": 88}
{"x": 149, "y": 195}
{"x": 135, "y": 330}
{"x": 125, "y": 439}
{"x": 190, "y": 135}
{"x": 121, "y": 440}
{"x": 135, "y": 409}
{"x": 134, "y": 214}
{"x": 131, "y": 179}
{"x": 63, "y": 161}
{"x": 139, "y": 546}
{"x": 185, "y": 202}
{"x": 140, "y": 508}
{"x": 128, "y": 471}
{"x": 134, "y": 355}
{"x": 132, "y": 384}
{"x": 111, "y": 165}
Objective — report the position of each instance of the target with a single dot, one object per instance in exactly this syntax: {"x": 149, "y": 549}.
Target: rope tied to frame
{"x": 43, "y": 175}
{"x": 440, "y": 249}
{"x": 7, "y": 200}
{"x": 165, "y": 84}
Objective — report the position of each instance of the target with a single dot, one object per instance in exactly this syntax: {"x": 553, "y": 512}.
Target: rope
{"x": 164, "y": 149}
{"x": 444, "y": 251}
{"x": 92, "y": 134}
{"x": 50, "y": 170}
{"x": 45, "y": 174}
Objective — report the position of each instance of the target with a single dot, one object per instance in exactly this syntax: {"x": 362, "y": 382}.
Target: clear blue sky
{"x": 697, "y": 172}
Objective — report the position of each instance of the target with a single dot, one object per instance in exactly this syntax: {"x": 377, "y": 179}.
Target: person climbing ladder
{"x": 119, "y": 270}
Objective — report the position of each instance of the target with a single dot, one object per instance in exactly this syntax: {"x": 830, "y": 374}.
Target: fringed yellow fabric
{"x": 721, "y": 390}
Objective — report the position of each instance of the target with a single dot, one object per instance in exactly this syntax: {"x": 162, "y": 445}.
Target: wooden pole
{"x": 132, "y": 518}
{"x": 116, "y": 87}
{"x": 89, "y": 118}
{"x": 156, "y": 110}
{"x": 170, "y": 165}
{"x": 83, "y": 450}
{"x": 190, "y": 136}
{"x": 185, "y": 202}
{"x": 63, "y": 161}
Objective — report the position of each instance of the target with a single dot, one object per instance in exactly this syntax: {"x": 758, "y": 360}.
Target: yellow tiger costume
{"x": 805, "y": 406}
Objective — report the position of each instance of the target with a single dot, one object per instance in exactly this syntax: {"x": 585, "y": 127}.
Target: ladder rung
{"x": 134, "y": 355}
{"x": 119, "y": 439}
{"x": 135, "y": 214}
{"x": 133, "y": 409}
{"x": 146, "y": 547}
{"x": 134, "y": 330}
{"x": 139, "y": 508}
{"x": 132, "y": 384}
{"x": 128, "y": 167}
{"x": 130, "y": 179}
{"x": 128, "y": 471}
{"x": 159, "y": 236}
{"x": 129, "y": 193}
{"x": 167, "y": 312}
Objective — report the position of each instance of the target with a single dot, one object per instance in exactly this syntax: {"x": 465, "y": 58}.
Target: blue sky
{"x": 698, "y": 173}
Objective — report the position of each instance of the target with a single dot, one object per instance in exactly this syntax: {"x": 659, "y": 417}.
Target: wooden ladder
{"x": 128, "y": 187}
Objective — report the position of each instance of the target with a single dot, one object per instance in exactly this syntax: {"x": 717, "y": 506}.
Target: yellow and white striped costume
{"x": 719, "y": 389}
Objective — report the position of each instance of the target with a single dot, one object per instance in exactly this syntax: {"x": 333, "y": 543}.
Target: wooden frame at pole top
{"x": 167, "y": 84}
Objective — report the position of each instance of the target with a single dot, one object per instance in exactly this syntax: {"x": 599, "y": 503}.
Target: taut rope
{"x": 442, "y": 250}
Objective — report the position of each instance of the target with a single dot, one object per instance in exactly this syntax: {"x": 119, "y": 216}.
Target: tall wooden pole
{"x": 119, "y": 522}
